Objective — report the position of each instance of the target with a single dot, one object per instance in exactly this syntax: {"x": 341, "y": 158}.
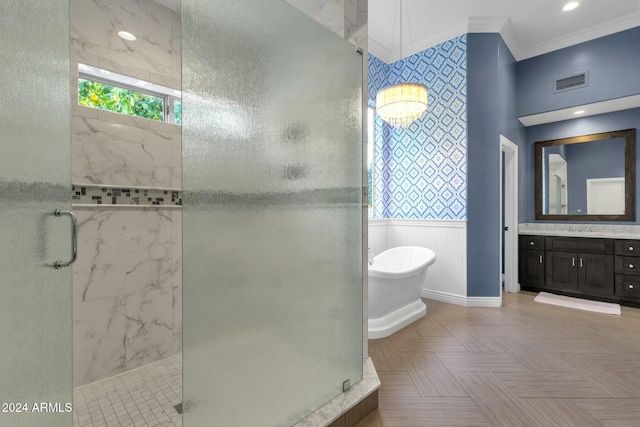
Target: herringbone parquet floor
{"x": 524, "y": 364}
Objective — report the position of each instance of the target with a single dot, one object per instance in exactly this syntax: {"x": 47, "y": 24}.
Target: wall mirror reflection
{"x": 587, "y": 177}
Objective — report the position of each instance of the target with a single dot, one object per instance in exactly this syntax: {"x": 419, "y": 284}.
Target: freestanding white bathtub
{"x": 395, "y": 282}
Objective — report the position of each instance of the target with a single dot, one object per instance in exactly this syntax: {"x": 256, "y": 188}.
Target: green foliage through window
{"x": 177, "y": 112}
{"x": 119, "y": 100}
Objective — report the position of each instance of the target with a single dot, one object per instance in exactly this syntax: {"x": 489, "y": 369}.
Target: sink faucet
{"x": 370, "y": 256}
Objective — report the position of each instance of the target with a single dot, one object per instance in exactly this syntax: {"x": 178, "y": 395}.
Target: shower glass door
{"x": 272, "y": 227}
{"x": 35, "y": 181}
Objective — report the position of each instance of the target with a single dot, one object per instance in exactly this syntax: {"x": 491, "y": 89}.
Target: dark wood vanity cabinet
{"x": 605, "y": 269}
{"x": 531, "y": 260}
{"x": 581, "y": 265}
{"x": 627, "y": 268}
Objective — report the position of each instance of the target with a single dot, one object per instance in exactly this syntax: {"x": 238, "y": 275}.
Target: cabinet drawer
{"x": 579, "y": 244}
{"x": 531, "y": 242}
{"x": 628, "y": 247}
{"x": 627, "y": 265}
{"x": 627, "y": 286}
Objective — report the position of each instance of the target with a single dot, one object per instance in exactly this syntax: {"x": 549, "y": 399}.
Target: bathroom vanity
{"x": 584, "y": 178}
{"x": 606, "y": 269}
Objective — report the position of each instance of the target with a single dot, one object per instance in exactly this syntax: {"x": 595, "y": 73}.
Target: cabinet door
{"x": 531, "y": 268}
{"x": 595, "y": 274}
{"x": 561, "y": 271}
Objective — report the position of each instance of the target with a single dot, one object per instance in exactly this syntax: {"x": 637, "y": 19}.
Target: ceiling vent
{"x": 572, "y": 82}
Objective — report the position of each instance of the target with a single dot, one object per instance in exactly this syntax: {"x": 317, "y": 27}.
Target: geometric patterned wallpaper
{"x": 421, "y": 171}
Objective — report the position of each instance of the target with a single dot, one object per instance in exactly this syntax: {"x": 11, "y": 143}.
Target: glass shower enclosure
{"x": 272, "y": 225}
{"x": 272, "y": 214}
{"x": 35, "y": 181}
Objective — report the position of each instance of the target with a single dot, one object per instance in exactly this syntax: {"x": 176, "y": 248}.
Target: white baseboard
{"x": 462, "y": 300}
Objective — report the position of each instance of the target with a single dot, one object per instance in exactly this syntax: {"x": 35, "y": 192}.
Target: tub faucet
{"x": 370, "y": 256}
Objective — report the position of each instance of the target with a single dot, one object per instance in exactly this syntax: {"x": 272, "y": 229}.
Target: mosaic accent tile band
{"x": 96, "y": 195}
{"x": 421, "y": 171}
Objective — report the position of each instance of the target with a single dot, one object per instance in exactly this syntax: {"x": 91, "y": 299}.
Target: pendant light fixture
{"x": 401, "y": 104}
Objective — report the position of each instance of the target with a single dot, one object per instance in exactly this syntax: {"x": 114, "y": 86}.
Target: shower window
{"x": 105, "y": 90}
{"x": 177, "y": 111}
{"x": 371, "y": 120}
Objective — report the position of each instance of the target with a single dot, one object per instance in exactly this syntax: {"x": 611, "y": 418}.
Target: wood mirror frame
{"x": 629, "y": 136}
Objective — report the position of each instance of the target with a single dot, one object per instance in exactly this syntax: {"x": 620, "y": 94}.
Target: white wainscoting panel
{"x": 447, "y": 277}
{"x": 378, "y": 235}
{"x": 448, "y": 239}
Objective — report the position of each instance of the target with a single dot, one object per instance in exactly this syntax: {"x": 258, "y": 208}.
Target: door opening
{"x": 509, "y": 214}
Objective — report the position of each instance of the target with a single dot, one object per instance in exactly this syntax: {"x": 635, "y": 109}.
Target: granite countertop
{"x": 610, "y": 231}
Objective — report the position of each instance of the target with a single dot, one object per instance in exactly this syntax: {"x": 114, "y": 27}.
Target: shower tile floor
{"x": 143, "y": 397}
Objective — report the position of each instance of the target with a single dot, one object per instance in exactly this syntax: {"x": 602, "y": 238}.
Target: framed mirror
{"x": 587, "y": 177}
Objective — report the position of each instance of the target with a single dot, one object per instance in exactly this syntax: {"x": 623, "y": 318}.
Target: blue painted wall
{"x": 603, "y": 159}
{"x": 421, "y": 172}
{"x": 491, "y": 97}
{"x": 443, "y": 166}
{"x": 612, "y": 62}
{"x": 626, "y": 119}
{"x": 509, "y": 126}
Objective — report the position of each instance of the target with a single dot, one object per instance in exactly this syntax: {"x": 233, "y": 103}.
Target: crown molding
{"x": 606, "y": 29}
{"x": 378, "y": 50}
{"x": 453, "y": 32}
{"x": 509, "y": 37}
{"x": 471, "y": 25}
{"x": 486, "y": 24}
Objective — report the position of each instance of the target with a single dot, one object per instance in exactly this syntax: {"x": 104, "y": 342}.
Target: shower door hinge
{"x": 346, "y": 386}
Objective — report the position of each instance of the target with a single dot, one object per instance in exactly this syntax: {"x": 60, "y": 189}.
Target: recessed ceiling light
{"x": 126, "y": 35}
{"x": 578, "y": 112}
{"x": 571, "y": 5}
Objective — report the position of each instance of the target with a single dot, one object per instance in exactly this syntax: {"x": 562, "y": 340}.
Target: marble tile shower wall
{"x": 347, "y": 18}
{"x": 127, "y": 290}
{"x": 127, "y": 281}
{"x": 422, "y": 170}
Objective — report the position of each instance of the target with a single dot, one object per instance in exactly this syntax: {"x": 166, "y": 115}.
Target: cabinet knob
{"x": 531, "y": 243}
{"x": 630, "y": 286}
{"x": 630, "y": 265}
{"x": 631, "y": 248}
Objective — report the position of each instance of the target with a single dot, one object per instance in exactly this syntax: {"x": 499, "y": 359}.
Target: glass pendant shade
{"x": 401, "y": 104}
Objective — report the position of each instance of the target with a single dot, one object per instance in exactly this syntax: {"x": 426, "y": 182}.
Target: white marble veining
{"x": 176, "y": 217}
{"x": 149, "y": 336}
{"x": 122, "y": 164}
{"x": 149, "y": 247}
{"x": 114, "y": 335}
{"x": 99, "y": 271}
{"x": 612, "y": 231}
{"x": 95, "y": 23}
{"x": 127, "y": 280}
{"x": 345, "y": 401}
{"x": 177, "y": 319}
{"x": 119, "y": 127}
{"x": 127, "y": 290}
{"x": 99, "y": 331}
{"x": 329, "y": 13}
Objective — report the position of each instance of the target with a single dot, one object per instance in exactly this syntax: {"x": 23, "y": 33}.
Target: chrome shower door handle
{"x": 74, "y": 238}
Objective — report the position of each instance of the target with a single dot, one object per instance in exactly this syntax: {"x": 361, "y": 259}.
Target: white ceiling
{"x": 529, "y": 27}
